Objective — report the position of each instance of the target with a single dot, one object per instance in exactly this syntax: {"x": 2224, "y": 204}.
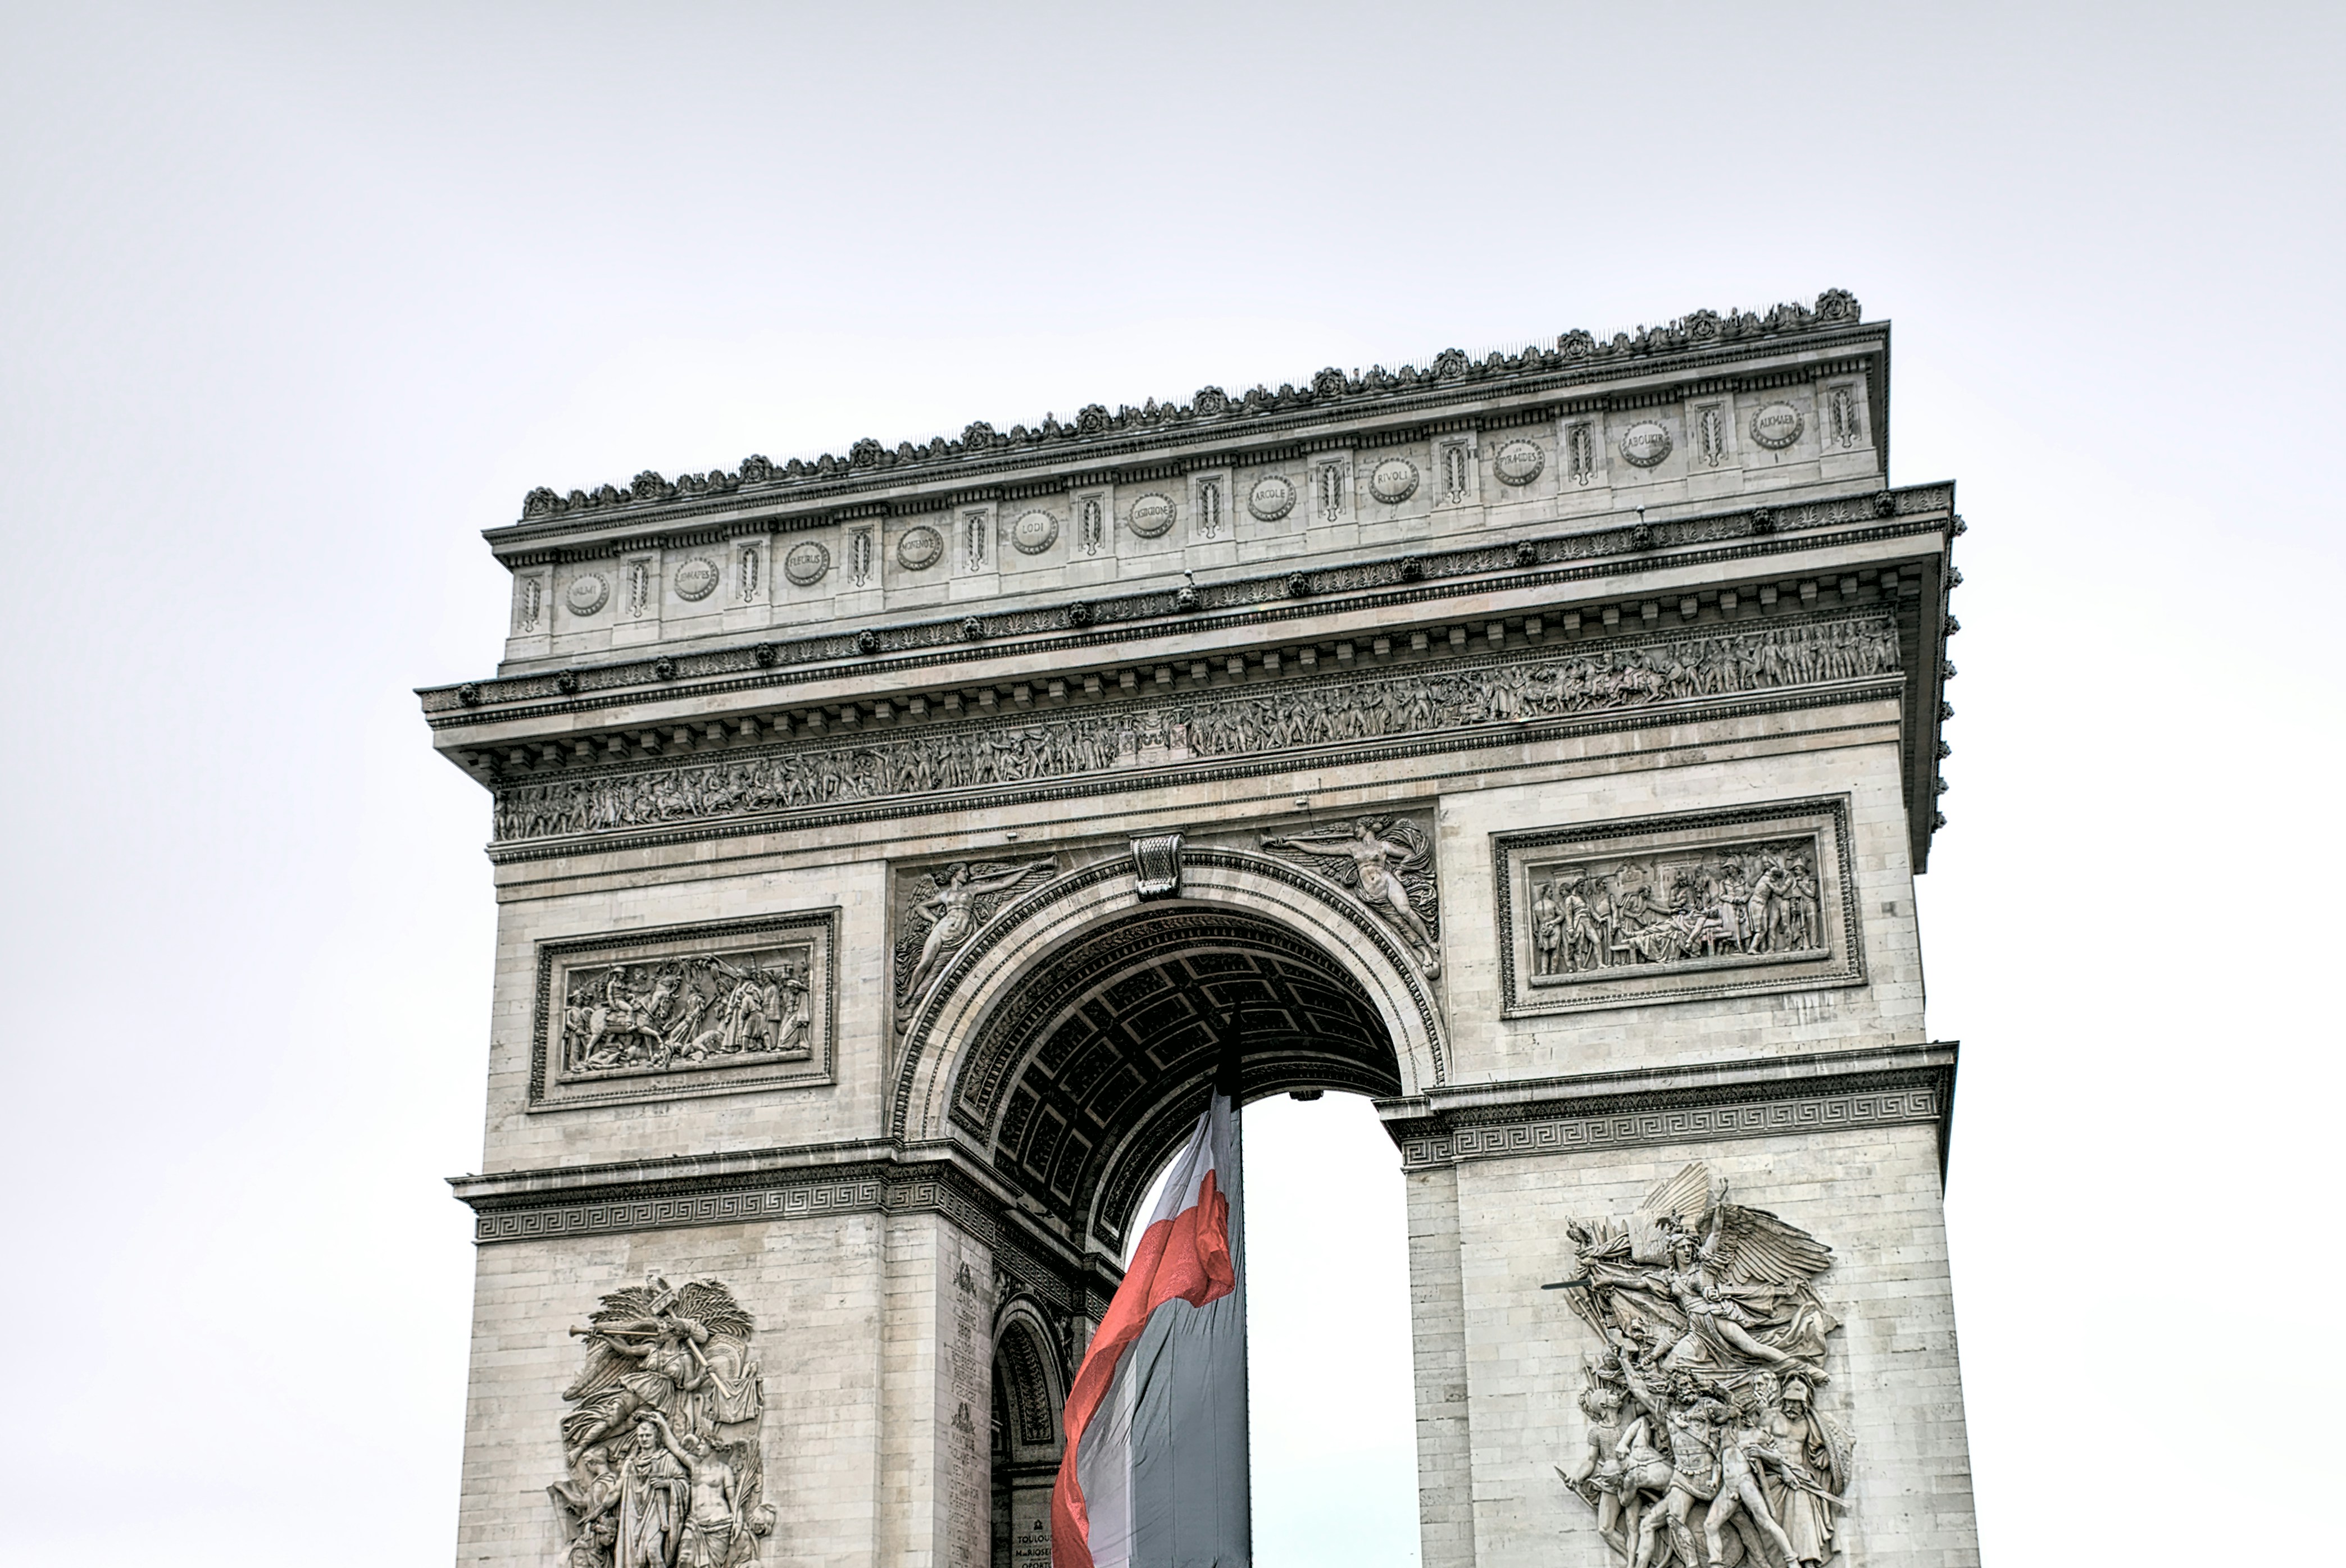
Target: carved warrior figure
{"x": 951, "y": 907}
{"x": 1715, "y": 1337}
{"x": 666, "y": 1471}
{"x": 1389, "y": 865}
{"x": 974, "y": 754}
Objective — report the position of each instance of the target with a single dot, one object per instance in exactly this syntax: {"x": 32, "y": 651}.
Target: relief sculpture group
{"x": 1757, "y": 898}
{"x": 700, "y": 1010}
{"x": 1705, "y": 1447}
{"x": 665, "y": 1470}
{"x": 1226, "y": 725}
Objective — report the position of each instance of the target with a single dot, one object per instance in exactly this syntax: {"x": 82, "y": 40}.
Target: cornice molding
{"x": 1752, "y": 532}
{"x": 1781, "y": 1097}
{"x": 1785, "y": 1096}
{"x": 1096, "y": 434}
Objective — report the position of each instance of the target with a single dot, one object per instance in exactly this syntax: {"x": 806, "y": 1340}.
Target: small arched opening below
{"x": 1029, "y": 1394}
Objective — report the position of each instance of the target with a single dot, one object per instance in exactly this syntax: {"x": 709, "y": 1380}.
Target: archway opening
{"x": 1086, "y": 1078}
{"x": 1081, "y": 1084}
{"x": 1332, "y": 1419}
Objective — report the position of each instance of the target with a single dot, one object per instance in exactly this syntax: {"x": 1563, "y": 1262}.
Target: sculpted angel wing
{"x": 1684, "y": 1197}
{"x": 712, "y": 1305}
{"x": 1752, "y": 1246}
{"x": 601, "y": 1371}
{"x": 1673, "y": 1203}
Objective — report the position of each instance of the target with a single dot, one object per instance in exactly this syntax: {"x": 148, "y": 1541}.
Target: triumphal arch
{"x": 1542, "y": 744}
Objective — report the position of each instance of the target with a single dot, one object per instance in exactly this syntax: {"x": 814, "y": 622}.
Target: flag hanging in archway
{"x": 1154, "y": 1474}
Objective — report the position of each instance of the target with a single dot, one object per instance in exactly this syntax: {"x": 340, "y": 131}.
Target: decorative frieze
{"x": 1582, "y": 556}
{"x": 1598, "y": 678}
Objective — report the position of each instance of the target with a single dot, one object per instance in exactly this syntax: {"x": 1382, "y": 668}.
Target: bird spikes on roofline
{"x": 1834, "y": 308}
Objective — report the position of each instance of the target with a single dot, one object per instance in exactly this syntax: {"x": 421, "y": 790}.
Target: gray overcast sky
{"x": 294, "y": 300}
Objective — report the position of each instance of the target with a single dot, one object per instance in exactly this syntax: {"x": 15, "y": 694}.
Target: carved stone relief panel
{"x": 685, "y": 1010}
{"x": 1332, "y": 481}
{"x": 1386, "y": 865}
{"x": 1703, "y": 1380}
{"x": 662, "y": 1462}
{"x": 1581, "y": 451}
{"x": 1842, "y": 421}
{"x": 1092, "y": 512}
{"x": 1209, "y": 505}
{"x": 935, "y": 909}
{"x": 529, "y": 604}
{"x": 1662, "y": 909}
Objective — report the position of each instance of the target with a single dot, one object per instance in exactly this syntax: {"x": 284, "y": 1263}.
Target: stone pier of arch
{"x": 877, "y": 841}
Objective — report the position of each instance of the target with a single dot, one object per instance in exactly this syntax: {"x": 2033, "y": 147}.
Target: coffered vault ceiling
{"x": 1112, "y": 1037}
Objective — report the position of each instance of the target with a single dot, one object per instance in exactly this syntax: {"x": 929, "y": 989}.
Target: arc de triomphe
{"x": 1544, "y": 745}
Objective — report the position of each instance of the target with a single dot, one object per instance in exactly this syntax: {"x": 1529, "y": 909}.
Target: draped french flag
{"x": 1154, "y": 1474}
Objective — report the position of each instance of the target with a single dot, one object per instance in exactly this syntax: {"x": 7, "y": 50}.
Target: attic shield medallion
{"x": 920, "y": 548}
{"x": 1151, "y": 515}
{"x": 1393, "y": 481}
{"x": 1645, "y": 442}
{"x": 1518, "y": 463}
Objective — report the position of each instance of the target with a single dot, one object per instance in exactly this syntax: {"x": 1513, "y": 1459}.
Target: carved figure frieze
{"x": 700, "y": 1009}
{"x": 941, "y": 908}
{"x": 624, "y": 1018}
{"x": 1617, "y": 677}
{"x": 665, "y": 1468}
{"x": 1385, "y": 862}
{"x": 1705, "y": 1446}
{"x": 1664, "y": 910}
{"x": 1599, "y": 915}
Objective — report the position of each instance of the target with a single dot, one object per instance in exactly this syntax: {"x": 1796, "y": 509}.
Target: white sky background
{"x": 295, "y": 299}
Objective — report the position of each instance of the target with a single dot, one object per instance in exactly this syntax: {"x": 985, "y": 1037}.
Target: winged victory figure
{"x": 665, "y": 1464}
{"x": 1699, "y": 1403}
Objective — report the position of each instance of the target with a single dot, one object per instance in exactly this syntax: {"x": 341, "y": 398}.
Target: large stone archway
{"x": 1543, "y": 745}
